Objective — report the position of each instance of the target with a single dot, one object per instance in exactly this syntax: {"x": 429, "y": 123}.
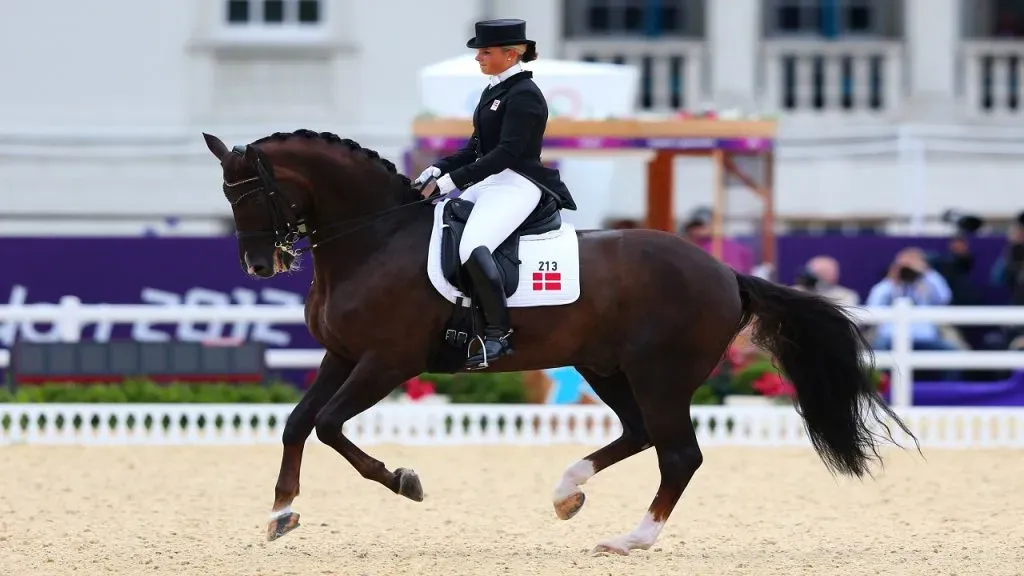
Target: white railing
{"x": 71, "y": 317}
{"x": 674, "y": 69}
{"x": 993, "y": 78}
{"x": 847, "y": 67}
{"x": 466, "y": 424}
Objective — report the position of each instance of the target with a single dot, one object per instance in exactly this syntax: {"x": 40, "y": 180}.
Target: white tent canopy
{"x": 580, "y": 90}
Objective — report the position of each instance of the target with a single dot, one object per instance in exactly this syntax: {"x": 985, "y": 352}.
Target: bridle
{"x": 288, "y": 227}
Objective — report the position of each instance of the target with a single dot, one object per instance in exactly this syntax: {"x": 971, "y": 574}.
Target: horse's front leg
{"x": 373, "y": 378}
{"x": 332, "y": 373}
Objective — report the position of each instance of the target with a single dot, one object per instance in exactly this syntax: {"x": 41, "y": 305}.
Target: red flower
{"x": 885, "y": 382}
{"x": 773, "y": 384}
{"x": 417, "y": 388}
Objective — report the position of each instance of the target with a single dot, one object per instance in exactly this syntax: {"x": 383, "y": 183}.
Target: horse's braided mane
{"x": 350, "y": 145}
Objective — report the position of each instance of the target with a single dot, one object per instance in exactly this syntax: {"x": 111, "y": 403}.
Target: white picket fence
{"x": 464, "y": 424}
{"x": 71, "y": 317}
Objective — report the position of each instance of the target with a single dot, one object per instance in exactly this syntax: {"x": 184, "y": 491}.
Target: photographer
{"x": 1009, "y": 271}
{"x": 911, "y": 277}
{"x": 821, "y": 276}
{"x": 1009, "y": 268}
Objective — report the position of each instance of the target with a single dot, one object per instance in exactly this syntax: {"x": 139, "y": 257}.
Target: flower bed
{"x": 745, "y": 370}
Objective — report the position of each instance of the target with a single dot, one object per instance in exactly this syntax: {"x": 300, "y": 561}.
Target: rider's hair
{"x": 526, "y": 52}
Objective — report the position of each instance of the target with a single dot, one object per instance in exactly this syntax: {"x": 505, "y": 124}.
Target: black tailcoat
{"x": 508, "y": 132}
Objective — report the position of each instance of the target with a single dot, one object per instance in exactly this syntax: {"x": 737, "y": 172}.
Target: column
{"x": 932, "y": 37}
{"x": 733, "y": 39}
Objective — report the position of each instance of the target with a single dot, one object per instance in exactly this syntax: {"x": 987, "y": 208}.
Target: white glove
{"x": 445, "y": 184}
{"x": 430, "y": 172}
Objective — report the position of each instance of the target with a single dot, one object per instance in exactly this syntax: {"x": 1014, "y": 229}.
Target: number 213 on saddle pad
{"x": 548, "y": 272}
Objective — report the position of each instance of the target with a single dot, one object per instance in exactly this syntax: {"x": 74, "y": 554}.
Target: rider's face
{"x": 495, "y": 60}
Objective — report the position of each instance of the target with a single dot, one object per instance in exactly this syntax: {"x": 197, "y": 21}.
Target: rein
{"x": 288, "y": 227}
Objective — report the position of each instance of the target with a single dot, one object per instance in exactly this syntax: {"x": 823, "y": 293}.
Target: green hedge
{"x": 502, "y": 388}
{"x": 462, "y": 388}
{"x": 143, "y": 391}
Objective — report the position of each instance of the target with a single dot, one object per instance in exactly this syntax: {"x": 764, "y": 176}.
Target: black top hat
{"x": 503, "y": 32}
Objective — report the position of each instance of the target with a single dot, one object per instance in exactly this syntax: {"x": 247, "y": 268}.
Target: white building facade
{"x": 887, "y": 107}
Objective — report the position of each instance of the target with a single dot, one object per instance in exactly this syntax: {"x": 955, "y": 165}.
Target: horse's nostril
{"x": 259, "y": 269}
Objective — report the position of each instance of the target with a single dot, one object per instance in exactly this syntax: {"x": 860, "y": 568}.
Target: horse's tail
{"x": 820, "y": 349}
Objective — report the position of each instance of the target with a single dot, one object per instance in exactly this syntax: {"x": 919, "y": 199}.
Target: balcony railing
{"x": 844, "y": 80}
{"x": 671, "y": 71}
{"x": 993, "y": 78}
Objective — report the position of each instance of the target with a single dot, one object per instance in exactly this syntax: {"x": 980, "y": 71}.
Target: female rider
{"x": 499, "y": 170}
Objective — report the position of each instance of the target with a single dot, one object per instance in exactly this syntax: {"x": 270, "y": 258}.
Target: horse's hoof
{"x": 409, "y": 484}
{"x": 610, "y": 548}
{"x": 282, "y": 525}
{"x": 570, "y": 505}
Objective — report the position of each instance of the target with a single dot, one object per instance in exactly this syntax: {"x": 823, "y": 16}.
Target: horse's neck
{"x": 400, "y": 230}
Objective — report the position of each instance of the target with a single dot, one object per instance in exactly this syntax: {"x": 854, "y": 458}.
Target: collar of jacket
{"x": 513, "y": 69}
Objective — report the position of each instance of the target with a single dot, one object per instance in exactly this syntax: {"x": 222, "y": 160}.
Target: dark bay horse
{"x": 655, "y": 315}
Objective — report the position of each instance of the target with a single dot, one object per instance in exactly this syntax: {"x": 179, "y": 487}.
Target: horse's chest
{"x": 316, "y": 316}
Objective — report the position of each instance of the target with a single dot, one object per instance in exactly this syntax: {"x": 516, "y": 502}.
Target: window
{"x": 272, "y": 13}
{"x": 1007, "y": 19}
{"x": 832, "y": 18}
{"x": 636, "y": 18}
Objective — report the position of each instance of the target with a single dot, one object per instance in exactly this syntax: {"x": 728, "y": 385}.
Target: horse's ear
{"x": 217, "y": 148}
{"x": 251, "y": 155}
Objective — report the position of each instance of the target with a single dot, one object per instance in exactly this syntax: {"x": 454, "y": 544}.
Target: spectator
{"x": 910, "y": 277}
{"x": 734, "y": 254}
{"x": 955, "y": 266}
{"x": 821, "y": 276}
{"x": 1008, "y": 271}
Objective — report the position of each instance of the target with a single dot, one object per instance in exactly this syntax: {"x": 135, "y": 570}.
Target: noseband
{"x": 288, "y": 226}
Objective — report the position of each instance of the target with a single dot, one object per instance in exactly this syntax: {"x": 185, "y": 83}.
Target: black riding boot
{"x": 483, "y": 272}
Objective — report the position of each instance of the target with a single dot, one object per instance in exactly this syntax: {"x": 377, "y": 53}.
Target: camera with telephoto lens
{"x": 908, "y": 275}
{"x": 1017, "y": 253}
{"x": 966, "y": 224}
{"x": 806, "y": 279}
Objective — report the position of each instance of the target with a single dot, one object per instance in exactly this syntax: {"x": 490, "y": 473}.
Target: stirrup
{"x": 505, "y": 349}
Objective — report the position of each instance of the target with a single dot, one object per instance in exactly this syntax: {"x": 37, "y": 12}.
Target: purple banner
{"x": 864, "y": 260}
{"x": 441, "y": 143}
{"x": 156, "y": 271}
{"x": 205, "y": 271}
{"x": 168, "y": 271}
{"x": 1009, "y": 392}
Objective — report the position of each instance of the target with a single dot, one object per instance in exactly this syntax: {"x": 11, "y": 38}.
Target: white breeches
{"x": 501, "y": 203}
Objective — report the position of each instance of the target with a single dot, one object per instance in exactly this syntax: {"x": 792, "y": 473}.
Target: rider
{"x": 499, "y": 169}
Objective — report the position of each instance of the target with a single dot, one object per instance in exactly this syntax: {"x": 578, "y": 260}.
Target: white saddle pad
{"x": 549, "y": 269}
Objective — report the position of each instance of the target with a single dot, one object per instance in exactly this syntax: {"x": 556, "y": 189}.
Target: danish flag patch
{"x": 547, "y": 281}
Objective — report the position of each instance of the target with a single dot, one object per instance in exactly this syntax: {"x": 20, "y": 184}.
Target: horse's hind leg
{"x": 297, "y": 428}
{"x": 615, "y": 392}
{"x": 663, "y": 393}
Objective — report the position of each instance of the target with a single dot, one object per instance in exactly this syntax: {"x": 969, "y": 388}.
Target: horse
{"x": 647, "y": 318}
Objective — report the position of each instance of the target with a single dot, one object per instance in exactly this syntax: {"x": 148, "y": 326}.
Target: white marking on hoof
{"x": 641, "y": 538}
{"x": 281, "y": 513}
{"x": 573, "y": 477}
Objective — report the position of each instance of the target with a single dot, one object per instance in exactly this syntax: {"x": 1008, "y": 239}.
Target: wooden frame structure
{"x": 722, "y": 140}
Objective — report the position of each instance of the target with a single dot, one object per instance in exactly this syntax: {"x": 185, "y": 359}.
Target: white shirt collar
{"x": 513, "y": 69}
